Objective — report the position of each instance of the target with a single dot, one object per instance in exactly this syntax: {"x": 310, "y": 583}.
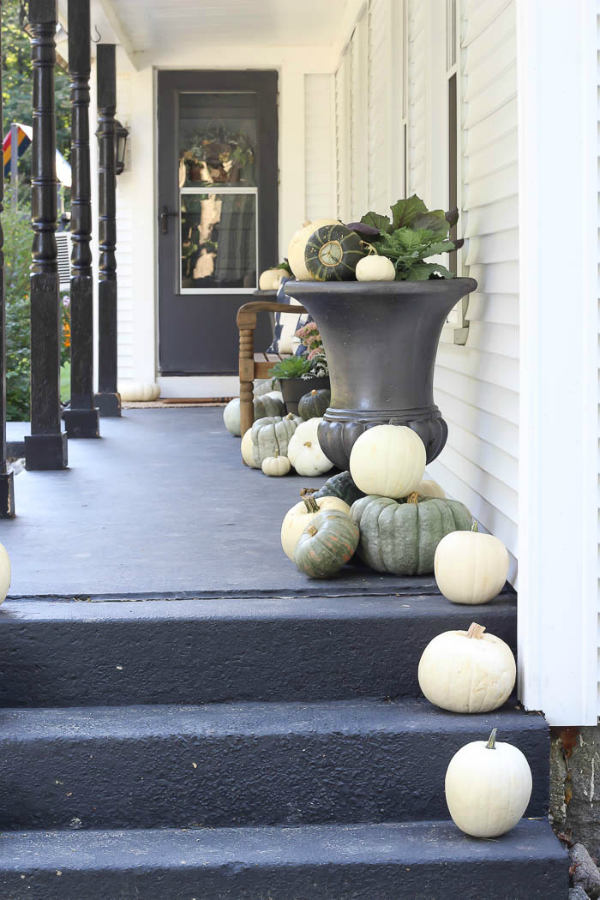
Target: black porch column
{"x": 81, "y": 419}
{"x": 46, "y": 447}
{"x": 7, "y": 494}
{"x": 107, "y": 399}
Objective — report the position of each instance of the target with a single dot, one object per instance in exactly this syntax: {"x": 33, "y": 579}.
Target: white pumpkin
{"x": 298, "y": 517}
{"x": 488, "y": 787}
{"x": 4, "y": 573}
{"x": 430, "y": 488}
{"x": 267, "y": 404}
{"x": 470, "y": 567}
{"x": 231, "y": 417}
{"x": 248, "y": 450}
{"x": 304, "y": 450}
{"x": 388, "y": 460}
{"x": 139, "y": 391}
{"x": 467, "y": 671}
{"x": 297, "y": 246}
{"x": 269, "y": 279}
{"x": 275, "y": 466}
{"x": 375, "y": 268}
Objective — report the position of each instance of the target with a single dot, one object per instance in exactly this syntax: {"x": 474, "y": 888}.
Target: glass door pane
{"x": 218, "y": 191}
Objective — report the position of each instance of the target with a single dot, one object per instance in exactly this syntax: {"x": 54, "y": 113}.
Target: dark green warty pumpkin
{"x": 342, "y": 486}
{"x": 314, "y": 404}
{"x": 332, "y": 253}
{"x": 328, "y": 542}
{"x": 401, "y": 536}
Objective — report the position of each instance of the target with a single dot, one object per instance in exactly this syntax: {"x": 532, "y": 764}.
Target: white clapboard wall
{"x": 319, "y": 137}
{"x": 477, "y": 385}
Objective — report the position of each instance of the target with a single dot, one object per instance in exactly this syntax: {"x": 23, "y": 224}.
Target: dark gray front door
{"x": 218, "y": 212}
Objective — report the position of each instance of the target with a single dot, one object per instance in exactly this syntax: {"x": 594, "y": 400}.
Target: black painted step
{"x": 198, "y": 651}
{"x": 243, "y": 764}
{"x": 422, "y": 861}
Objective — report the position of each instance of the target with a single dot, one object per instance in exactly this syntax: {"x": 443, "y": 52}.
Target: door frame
{"x": 266, "y": 85}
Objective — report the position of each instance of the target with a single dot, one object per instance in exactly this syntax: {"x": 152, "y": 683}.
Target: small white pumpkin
{"x": 430, "y": 488}
{"x": 304, "y": 450}
{"x": 275, "y": 466}
{"x": 488, "y": 787}
{"x": 299, "y": 516}
{"x": 388, "y": 460}
{"x": 4, "y": 573}
{"x": 375, "y": 268}
{"x": 470, "y": 567}
{"x": 269, "y": 279}
{"x": 297, "y": 246}
{"x": 467, "y": 671}
{"x": 139, "y": 391}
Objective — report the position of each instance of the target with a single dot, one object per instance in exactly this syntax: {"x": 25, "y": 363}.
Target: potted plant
{"x": 381, "y": 335}
{"x": 298, "y": 375}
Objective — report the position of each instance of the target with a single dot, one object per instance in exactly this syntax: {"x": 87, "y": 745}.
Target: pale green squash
{"x": 401, "y": 537}
{"x": 271, "y": 435}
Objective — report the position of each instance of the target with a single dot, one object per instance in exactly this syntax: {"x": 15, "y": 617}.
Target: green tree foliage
{"x": 17, "y": 251}
{"x": 17, "y": 82}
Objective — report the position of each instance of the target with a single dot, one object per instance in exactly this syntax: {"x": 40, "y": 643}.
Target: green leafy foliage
{"x": 292, "y": 367}
{"x": 413, "y": 235}
{"x": 17, "y": 254}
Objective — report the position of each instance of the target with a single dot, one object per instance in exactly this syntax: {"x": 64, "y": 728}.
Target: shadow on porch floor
{"x": 161, "y": 504}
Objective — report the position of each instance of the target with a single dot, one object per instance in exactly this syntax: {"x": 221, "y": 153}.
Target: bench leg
{"x": 246, "y": 379}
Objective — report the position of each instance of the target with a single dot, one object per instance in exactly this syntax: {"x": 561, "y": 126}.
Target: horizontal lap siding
{"x": 380, "y": 94}
{"x": 417, "y": 149}
{"x": 125, "y": 251}
{"x": 319, "y": 127}
{"x": 477, "y": 385}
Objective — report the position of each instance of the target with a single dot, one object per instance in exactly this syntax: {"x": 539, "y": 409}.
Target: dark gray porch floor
{"x": 162, "y": 504}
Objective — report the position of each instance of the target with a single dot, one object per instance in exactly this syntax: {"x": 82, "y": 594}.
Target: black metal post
{"x": 7, "y": 493}
{"x": 81, "y": 419}
{"x": 46, "y": 447}
{"x": 107, "y": 399}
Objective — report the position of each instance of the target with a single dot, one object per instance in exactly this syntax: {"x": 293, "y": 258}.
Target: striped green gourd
{"x": 332, "y": 253}
{"x": 328, "y": 541}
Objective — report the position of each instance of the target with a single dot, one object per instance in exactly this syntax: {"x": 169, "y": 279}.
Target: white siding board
{"x": 492, "y": 218}
{"x": 318, "y": 137}
{"x": 491, "y": 398}
{"x": 417, "y": 97}
{"x": 488, "y": 367}
{"x": 491, "y": 129}
{"x": 494, "y": 157}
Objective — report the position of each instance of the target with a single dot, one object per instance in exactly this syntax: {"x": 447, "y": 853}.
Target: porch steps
{"x": 273, "y": 748}
{"x": 412, "y": 861}
{"x": 221, "y": 765}
{"x": 97, "y": 653}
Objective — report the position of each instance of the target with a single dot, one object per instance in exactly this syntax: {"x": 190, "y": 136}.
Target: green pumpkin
{"x": 401, "y": 536}
{"x": 314, "y": 404}
{"x": 271, "y": 435}
{"x": 268, "y": 405}
{"x": 332, "y": 253}
{"x": 342, "y": 486}
{"x": 328, "y": 542}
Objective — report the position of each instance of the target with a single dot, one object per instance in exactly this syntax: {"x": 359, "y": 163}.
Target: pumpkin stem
{"x": 276, "y": 454}
{"x": 311, "y": 504}
{"x": 307, "y": 444}
{"x": 312, "y": 530}
{"x": 313, "y": 393}
{"x": 476, "y": 631}
{"x": 475, "y": 525}
{"x": 491, "y": 744}
{"x": 413, "y": 498}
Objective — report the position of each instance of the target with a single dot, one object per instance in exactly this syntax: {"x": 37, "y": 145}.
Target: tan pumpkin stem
{"x": 311, "y": 504}
{"x": 312, "y": 530}
{"x": 476, "y": 631}
{"x": 276, "y": 454}
{"x": 313, "y": 393}
{"x": 307, "y": 444}
{"x": 491, "y": 744}
{"x": 413, "y": 498}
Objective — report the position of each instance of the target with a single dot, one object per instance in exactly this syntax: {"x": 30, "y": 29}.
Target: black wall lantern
{"x": 121, "y": 135}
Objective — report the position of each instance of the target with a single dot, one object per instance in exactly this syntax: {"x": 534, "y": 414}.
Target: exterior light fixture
{"x": 121, "y": 135}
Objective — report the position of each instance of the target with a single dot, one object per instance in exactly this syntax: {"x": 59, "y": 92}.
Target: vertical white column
{"x": 558, "y": 502}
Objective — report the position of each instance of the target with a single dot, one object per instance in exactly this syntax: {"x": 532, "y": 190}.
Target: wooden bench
{"x": 256, "y": 365}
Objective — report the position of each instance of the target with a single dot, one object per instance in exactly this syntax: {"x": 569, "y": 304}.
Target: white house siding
{"x": 477, "y": 385}
{"x": 319, "y": 137}
{"x": 417, "y": 70}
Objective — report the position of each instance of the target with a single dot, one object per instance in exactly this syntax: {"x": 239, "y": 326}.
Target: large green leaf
{"x": 439, "y": 247}
{"x": 435, "y": 220}
{"x": 422, "y": 271}
{"x": 405, "y": 211}
{"x": 382, "y": 223}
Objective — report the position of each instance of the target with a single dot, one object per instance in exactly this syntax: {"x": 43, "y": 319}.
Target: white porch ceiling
{"x": 148, "y": 25}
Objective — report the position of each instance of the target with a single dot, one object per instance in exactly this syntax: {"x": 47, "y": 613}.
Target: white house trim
{"x": 558, "y": 504}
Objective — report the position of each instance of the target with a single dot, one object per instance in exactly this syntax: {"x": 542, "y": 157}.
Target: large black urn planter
{"x": 381, "y": 340}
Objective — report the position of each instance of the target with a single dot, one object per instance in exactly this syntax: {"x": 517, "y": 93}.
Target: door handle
{"x": 164, "y": 218}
